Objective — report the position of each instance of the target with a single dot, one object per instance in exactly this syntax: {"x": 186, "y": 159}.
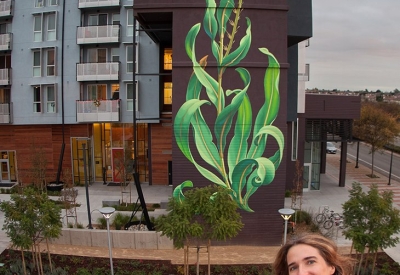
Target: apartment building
{"x": 187, "y": 92}
{"x": 70, "y": 85}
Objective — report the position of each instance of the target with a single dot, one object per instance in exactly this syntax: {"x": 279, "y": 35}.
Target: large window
{"x": 51, "y": 99}
{"x": 37, "y": 28}
{"x": 42, "y": 3}
{"x": 49, "y": 20}
{"x": 96, "y": 91}
{"x": 168, "y": 93}
{"x": 36, "y": 64}
{"x": 129, "y": 25}
{"x": 47, "y": 57}
{"x": 129, "y": 97}
{"x": 167, "y": 59}
{"x": 37, "y": 100}
{"x": 129, "y": 59}
{"x": 98, "y": 19}
{"x": 97, "y": 55}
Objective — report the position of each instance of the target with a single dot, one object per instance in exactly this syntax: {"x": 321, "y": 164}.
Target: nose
{"x": 302, "y": 270}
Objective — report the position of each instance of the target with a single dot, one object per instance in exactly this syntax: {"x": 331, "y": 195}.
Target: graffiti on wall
{"x": 233, "y": 152}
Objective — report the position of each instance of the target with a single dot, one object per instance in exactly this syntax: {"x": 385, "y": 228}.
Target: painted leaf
{"x": 182, "y": 124}
{"x": 178, "y": 191}
{"x": 223, "y": 13}
{"x": 204, "y": 142}
{"x": 237, "y": 55}
{"x": 223, "y": 122}
{"x": 210, "y": 23}
{"x": 240, "y": 175}
{"x": 269, "y": 111}
{"x": 212, "y": 87}
{"x": 238, "y": 146}
{"x": 276, "y": 133}
{"x": 194, "y": 86}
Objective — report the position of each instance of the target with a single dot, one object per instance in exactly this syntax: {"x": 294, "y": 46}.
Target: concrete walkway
{"x": 329, "y": 194}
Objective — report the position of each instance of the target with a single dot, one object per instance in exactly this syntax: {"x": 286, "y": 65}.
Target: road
{"x": 381, "y": 160}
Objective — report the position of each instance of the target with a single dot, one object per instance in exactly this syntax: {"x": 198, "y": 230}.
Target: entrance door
{"x": 118, "y": 166}
{"x": 81, "y": 153}
{"x": 4, "y": 171}
{"x": 306, "y": 176}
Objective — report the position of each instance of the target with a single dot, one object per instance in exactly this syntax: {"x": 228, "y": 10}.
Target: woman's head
{"x": 313, "y": 253}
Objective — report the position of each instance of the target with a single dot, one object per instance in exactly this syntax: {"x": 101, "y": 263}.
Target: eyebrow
{"x": 304, "y": 259}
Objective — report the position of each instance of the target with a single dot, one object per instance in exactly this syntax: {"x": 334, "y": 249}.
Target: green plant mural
{"x": 234, "y": 152}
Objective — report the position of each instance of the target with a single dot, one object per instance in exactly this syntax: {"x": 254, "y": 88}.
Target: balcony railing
{"x": 98, "y": 34}
{"x": 5, "y": 113}
{"x": 98, "y": 3}
{"x": 5, "y": 41}
{"x": 5, "y": 76}
{"x": 6, "y": 8}
{"x": 97, "y": 71}
{"x": 97, "y": 111}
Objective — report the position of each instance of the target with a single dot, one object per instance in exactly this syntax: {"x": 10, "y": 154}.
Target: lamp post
{"x": 286, "y": 213}
{"x": 107, "y": 213}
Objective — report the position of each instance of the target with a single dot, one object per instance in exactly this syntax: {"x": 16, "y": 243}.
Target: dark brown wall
{"x": 49, "y": 137}
{"x": 332, "y": 106}
{"x": 269, "y": 29}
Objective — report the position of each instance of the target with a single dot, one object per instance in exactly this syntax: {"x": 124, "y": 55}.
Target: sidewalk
{"x": 330, "y": 194}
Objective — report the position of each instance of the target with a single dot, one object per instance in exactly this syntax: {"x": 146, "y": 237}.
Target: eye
{"x": 292, "y": 268}
{"x": 310, "y": 262}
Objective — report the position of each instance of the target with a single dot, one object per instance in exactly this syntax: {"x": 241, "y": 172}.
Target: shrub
{"x": 120, "y": 220}
{"x": 102, "y": 223}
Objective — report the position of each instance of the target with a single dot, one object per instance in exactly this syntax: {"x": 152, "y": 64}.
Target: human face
{"x": 303, "y": 259}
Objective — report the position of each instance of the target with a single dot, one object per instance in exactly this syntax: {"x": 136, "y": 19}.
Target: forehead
{"x": 301, "y": 251}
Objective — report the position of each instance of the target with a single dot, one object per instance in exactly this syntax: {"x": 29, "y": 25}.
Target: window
{"x": 167, "y": 59}
{"x": 39, "y": 3}
{"x": 129, "y": 97}
{"x": 115, "y": 19}
{"x": 114, "y": 54}
{"x": 37, "y": 28}
{"x": 98, "y": 19}
{"x": 96, "y": 92}
{"x": 97, "y": 55}
{"x": 53, "y": 2}
{"x": 168, "y": 93}
{"x": 129, "y": 24}
{"x": 49, "y": 21}
{"x": 294, "y": 140}
{"x": 51, "y": 99}
{"x": 46, "y": 56}
{"x": 50, "y": 63}
{"x": 37, "y": 102}
{"x": 129, "y": 58}
{"x": 51, "y": 27}
{"x": 36, "y": 64}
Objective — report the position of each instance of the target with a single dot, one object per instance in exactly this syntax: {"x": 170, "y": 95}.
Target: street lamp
{"x": 286, "y": 213}
{"x": 107, "y": 213}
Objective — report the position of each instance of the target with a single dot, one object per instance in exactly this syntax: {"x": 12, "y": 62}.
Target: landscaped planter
{"x": 119, "y": 239}
{"x": 54, "y": 186}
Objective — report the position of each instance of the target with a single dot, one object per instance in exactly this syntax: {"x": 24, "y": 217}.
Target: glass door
{"x": 306, "y": 176}
{"x": 4, "y": 171}
{"x": 81, "y": 158}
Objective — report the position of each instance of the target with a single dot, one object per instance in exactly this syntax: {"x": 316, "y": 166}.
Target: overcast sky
{"x": 355, "y": 45}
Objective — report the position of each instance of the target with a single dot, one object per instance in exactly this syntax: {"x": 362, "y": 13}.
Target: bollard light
{"x": 286, "y": 213}
{"x": 107, "y": 213}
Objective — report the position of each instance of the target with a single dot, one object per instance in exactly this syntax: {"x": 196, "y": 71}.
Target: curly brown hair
{"x": 327, "y": 249}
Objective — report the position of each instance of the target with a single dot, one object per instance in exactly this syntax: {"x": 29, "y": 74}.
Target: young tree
{"x": 198, "y": 216}
{"x": 370, "y": 220}
{"x": 31, "y": 217}
{"x": 375, "y": 127}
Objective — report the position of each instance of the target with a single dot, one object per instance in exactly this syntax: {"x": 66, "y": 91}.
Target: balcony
{"x": 97, "y": 71}
{"x": 97, "y": 34}
{"x": 5, "y": 113}
{"x": 97, "y": 111}
{"x": 5, "y": 41}
{"x": 6, "y": 8}
{"x": 98, "y": 3}
{"x": 5, "y": 76}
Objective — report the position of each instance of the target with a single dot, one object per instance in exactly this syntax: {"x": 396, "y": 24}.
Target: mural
{"x": 233, "y": 152}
